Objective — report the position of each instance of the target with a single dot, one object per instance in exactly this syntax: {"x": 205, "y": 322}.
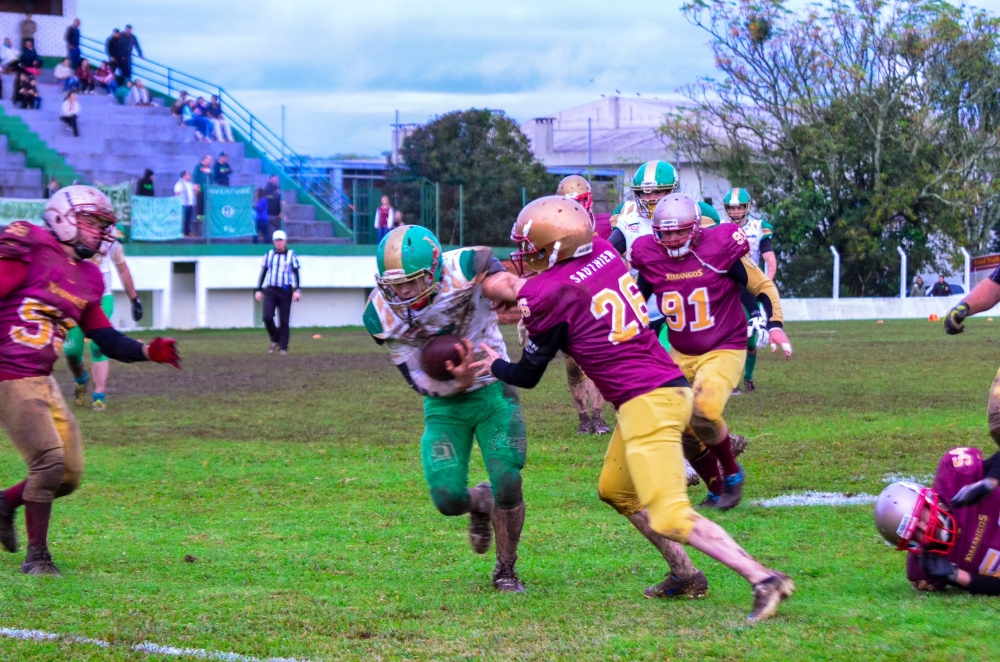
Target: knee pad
{"x": 692, "y": 447}
{"x": 624, "y": 503}
{"x": 70, "y": 481}
{"x": 675, "y": 522}
{"x": 45, "y": 475}
{"x": 507, "y": 491}
{"x": 450, "y": 503}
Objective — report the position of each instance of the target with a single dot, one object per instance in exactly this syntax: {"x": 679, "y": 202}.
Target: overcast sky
{"x": 343, "y": 68}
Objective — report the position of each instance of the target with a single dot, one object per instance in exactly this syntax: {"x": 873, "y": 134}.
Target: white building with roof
{"x": 616, "y": 135}
{"x": 51, "y": 17}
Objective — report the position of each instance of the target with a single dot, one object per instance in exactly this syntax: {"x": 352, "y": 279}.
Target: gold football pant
{"x": 35, "y": 416}
{"x": 713, "y": 377}
{"x": 644, "y": 465}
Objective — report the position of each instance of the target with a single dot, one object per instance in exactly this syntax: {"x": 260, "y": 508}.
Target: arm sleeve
{"x": 645, "y": 287}
{"x": 540, "y": 349}
{"x": 984, "y": 585}
{"x": 617, "y": 240}
{"x": 495, "y": 267}
{"x": 765, "y": 246}
{"x": 748, "y": 300}
{"x": 295, "y": 273}
{"x": 762, "y": 286}
{"x": 12, "y": 273}
{"x": 117, "y": 345}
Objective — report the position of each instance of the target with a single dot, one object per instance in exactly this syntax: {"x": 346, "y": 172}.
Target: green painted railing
{"x": 37, "y": 154}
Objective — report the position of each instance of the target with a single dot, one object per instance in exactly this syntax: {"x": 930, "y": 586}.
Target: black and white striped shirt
{"x": 279, "y": 270}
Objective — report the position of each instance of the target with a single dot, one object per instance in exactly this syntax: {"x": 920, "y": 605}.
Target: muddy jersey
{"x": 699, "y": 300}
{"x": 52, "y": 299}
{"x": 458, "y": 308}
{"x": 756, "y": 230}
{"x": 977, "y": 542}
{"x": 607, "y": 323}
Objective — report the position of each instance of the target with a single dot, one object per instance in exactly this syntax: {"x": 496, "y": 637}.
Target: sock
{"x": 81, "y": 380}
{"x": 749, "y": 366}
{"x": 723, "y": 452}
{"x": 14, "y": 496}
{"x": 708, "y": 468}
{"x": 98, "y": 396}
{"x": 36, "y": 519}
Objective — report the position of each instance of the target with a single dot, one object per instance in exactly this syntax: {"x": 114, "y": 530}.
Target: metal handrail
{"x": 314, "y": 182}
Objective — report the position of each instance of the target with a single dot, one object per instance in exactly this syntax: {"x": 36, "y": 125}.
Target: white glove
{"x": 758, "y": 324}
{"x": 522, "y": 333}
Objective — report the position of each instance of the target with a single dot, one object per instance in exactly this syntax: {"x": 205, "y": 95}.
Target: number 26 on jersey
{"x": 616, "y": 304}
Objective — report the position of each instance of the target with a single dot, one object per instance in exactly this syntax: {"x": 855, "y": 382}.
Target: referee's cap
{"x": 279, "y": 234}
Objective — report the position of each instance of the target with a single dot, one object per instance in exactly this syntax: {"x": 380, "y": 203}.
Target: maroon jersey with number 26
{"x": 700, "y": 301}
{"x": 977, "y": 543}
{"x": 608, "y": 324}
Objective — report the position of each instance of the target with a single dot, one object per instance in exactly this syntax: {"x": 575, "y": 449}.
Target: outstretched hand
{"x": 973, "y": 493}
{"x": 163, "y": 350}
{"x": 778, "y": 337}
{"x": 954, "y": 321}
{"x": 463, "y": 372}
{"x": 485, "y": 366}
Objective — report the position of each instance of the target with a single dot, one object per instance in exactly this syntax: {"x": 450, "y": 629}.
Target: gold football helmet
{"x": 548, "y": 231}
{"x": 576, "y": 188}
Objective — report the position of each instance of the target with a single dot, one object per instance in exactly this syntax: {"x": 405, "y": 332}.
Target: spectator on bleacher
{"x": 105, "y": 77}
{"x": 122, "y": 92}
{"x": 223, "y": 132}
{"x": 113, "y": 47}
{"x": 202, "y": 178}
{"x": 177, "y": 107}
{"x": 27, "y": 93}
{"x": 385, "y": 216}
{"x": 221, "y": 170}
{"x": 51, "y": 187}
{"x": 86, "y": 77}
{"x": 9, "y": 56}
{"x": 70, "y": 109}
{"x": 191, "y": 117}
{"x": 63, "y": 73}
{"x": 73, "y": 43}
{"x": 184, "y": 189}
{"x": 27, "y": 28}
{"x": 28, "y": 55}
{"x": 144, "y": 186}
{"x": 128, "y": 44}
{"x": 139, "y": 96}
{"x": 941, "y": 288}
{"x": 272, "y": 191}
{"x": 260, "y": 215}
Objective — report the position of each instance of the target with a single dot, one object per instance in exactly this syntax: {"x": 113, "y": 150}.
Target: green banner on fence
{"x": 229, "y": 211}
{"x": 121, "y": 200}
{"x": 14, "y": 209}
{"x": 157, "y": 219}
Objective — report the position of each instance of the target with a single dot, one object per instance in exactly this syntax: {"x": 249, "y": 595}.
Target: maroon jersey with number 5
{"x": 56, "y": 294}
{"x": 607, "y": 322}
{"x": 700, "y": 301}
{"x": 977, "y": 543}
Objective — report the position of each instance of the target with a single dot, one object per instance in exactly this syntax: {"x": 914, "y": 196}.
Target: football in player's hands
{"x": 164, "y": 350}
{"x": 437, "y": 353}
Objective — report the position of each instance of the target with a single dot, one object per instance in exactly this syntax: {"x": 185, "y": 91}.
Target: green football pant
{"x": 493, "y": 415}
{"x": 75, "y": 341}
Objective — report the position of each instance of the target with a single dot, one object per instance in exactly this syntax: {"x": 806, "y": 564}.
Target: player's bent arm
{"x": 983, "y": 296}
{"x": 770, "y": 264}
{"x": 116, "y": 345}
{"x": 539, "y": 350}
{"x": 502, "y": 286}
{"x": 746, "y": 273}
{"x": 12, "y": 273}
{"x": 617, "y": 240}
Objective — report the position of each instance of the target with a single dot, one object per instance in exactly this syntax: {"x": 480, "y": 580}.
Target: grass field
{"x": 295, "y": 484}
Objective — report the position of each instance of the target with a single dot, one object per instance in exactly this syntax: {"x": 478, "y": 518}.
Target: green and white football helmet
{"x": 653, "y": 181}
{"x": 409, "y": 254}
{"x": 737, "y": 205}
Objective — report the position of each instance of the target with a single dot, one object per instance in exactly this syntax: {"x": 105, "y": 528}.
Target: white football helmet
{"x": 70, "y": 206}
{"x": 898, "y": 510}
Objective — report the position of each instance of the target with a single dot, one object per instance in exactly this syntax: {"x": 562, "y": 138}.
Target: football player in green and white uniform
{"x": 424, "y": 292}
{"x": 759, "y": 232}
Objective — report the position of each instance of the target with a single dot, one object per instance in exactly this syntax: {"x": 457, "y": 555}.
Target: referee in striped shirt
{"x": 278, "y": 287}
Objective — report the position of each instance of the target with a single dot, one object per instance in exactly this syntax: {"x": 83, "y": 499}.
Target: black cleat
{"x": 38, "y": 561}
{"x": 696, "y": 586}
{"x": 768, "y": 594}
{"x": 505, "y": 578}
{"x": 732, "y": 493}
{"x": 8, "y": 536}
{"x": 748, "y": 386}
{"x": 480, "y": 529}
{"x": 586, "y": 427}
{"x": 598, "y": 424}
{"x": 736, "y": 391}
{"x": 711, "y": 501}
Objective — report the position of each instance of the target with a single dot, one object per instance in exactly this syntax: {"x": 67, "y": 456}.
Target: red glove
{"x": 164, "y": 350}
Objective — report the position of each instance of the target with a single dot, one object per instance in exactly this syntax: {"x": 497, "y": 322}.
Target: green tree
{"x": 486, "y": 153}
{"x": 863, "y": 125}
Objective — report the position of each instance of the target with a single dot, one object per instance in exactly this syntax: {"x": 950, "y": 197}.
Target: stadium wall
{"x": 216, "y": 291}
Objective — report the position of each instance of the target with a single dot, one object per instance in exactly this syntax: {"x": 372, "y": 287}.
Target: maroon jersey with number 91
{"x": 57, "y": 293}
{"x": 700, "y": 301}
{"x": 977, "y": 543}
{"x": 608, "y": 323}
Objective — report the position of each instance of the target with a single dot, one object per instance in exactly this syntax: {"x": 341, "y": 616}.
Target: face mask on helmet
{"x": 403, "y": 292}
{"x": 737, "y": 213}
{"x": 586, "y": 199}
{"x": 646, "y": 200}
{"x": 938, "y": 526}
{"x": 676, "y": 238}
{"x": 529, "y": 260}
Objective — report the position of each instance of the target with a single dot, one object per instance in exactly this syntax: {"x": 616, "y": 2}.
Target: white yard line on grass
{"x": 145, "y": 647}
{"x": 817, "y": 499}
